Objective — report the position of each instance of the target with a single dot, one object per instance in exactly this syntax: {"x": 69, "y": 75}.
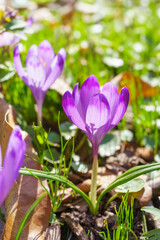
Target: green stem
{"x": 93, "y": 191}
{"x": 111, "y": 199}
{"x": 39, "y": 113}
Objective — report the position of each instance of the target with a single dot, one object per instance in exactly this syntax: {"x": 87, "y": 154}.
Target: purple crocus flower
{"x": 95, "y": 112}
{"x": 12, "y": 162}
{"x": 42, "y": 69}
{"x": 10, "y": 38}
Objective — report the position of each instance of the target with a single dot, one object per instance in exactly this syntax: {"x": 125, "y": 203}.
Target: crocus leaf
{"x": 125, "y": 177}
{"x": 134, "y": 185}
{"x": 109, "y": 145}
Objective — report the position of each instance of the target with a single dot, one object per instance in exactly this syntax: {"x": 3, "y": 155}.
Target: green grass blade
{"x": 62, "y": 179}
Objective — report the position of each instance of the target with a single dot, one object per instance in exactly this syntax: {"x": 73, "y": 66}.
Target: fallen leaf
{"x": 135, "y": 83}
{"x": 25, "y": 191}
{"x": 61, "y": 86}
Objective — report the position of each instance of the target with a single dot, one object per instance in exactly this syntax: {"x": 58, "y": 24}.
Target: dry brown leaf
{"x": 131, "y": 81}
{"x": 102, "y": 182}
{"x": 26, "y": 191}
{"x": 61, "y": 86}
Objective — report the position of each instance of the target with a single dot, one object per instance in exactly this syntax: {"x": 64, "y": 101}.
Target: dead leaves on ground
{"x": 137, "y": 87}
{"x": 25, "y": 191}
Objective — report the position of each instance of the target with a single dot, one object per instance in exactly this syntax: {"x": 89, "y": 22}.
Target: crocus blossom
{"x": 10, "y": 38}
{"x": 42, "y": 69}
{"x": 95, "y": 111}
{"x": 12, "y": 162}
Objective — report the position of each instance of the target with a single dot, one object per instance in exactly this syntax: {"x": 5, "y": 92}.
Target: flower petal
{"x": 12, "y": 162}
{"x": 111, "y": 93}
{"x": 57, "y": 67}
{"x": 76, "y": 95}
{"x": 36, "y": 73}
{"x": 8, "y": 39}
{"x": 122, "y": 107}
{"x": 71, "y": 110}
{"x": 17, "y": 62}
{"x": 97, "y": 115}
{"x": 88, "y": 89}
{"x": 29, "y": 22}
{"x": 33, "y": 50}
{"x": 46, "y": 55}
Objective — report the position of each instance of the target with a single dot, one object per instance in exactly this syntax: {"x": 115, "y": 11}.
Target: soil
{"x": 77, "y": 223}
{"x": 75, "y": 217}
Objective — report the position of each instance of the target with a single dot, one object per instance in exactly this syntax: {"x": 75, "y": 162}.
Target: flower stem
{"x": 39, "y": 114}
{"x": 93, "y": 191}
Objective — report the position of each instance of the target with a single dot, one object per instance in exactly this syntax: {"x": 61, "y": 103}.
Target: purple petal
{"x": 36, "y": 73}
{"x": 71, "y": 110}
{"x": 76, "y": 95}
{"x": 29, "y": 22}
{"x": 0, "y": 158}
{"x": 97, "y": 115}
{"x": 17, "y": 62}
{"x": 46, "y": 55}
{"x": 12, "y": 162}
{"x": 122, "y": 107}
{"x": 101, "y": 132}
{"x": 57, "y": 67}
{"x": 33, "y": 50}
{"x": 88, "y": 89}
{"x": 111, "y": 93}
{"x": 8, "y": 39}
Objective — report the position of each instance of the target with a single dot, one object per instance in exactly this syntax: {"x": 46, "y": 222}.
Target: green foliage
{"x": 151, "y": 235}
{"x": 123, "y": 223}
{"x": 152, "y": 210}
{"x": 134, "y": 185}
{"x": 124, "y": 178}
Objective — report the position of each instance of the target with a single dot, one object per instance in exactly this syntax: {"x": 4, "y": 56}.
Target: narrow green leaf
{"x": 54, "y": 177}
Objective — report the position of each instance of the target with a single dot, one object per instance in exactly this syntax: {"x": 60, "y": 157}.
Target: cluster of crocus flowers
{"x": 95, "y": 112}
{"x": 12, "y": 162}
{"x": 42, "y": 69}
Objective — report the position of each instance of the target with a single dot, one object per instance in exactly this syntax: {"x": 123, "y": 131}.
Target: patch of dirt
{"x": 78, "y": 222}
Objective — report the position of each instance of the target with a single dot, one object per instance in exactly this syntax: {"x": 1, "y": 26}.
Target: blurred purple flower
{"x": 94, "y": 111}
{"x": 12, "y": 162}
{"x": 43, "y": 68}
{"x": 10, "y": 38}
